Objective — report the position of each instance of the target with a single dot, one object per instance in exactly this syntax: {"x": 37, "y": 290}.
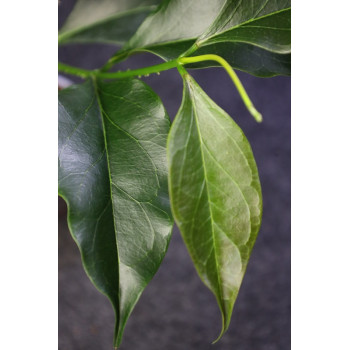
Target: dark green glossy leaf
{"x": 248, "y": 58}
{"x": 113, "y": 176}
{"x": 253, "y": 36}
{"x": 215, "y": 193}
{"x": 264, "y": 23}
{"x": 105, "y": 21}
{"x": 245, "y": 57}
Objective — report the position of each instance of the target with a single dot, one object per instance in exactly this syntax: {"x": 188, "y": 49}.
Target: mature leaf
{"x": 113, "y": 176}
{"x": 245, "y": 57}
{"x": 176, "y": 20}
{"x": 248, "y": 58}
{"x": 105, "y": 21}
{"x": 264, "y": 23}
{"x": 253, "y": 36}
{"x": 215, "y": 193}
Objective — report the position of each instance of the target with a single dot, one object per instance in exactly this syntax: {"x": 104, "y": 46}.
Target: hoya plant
{"x": 127, "y": 174}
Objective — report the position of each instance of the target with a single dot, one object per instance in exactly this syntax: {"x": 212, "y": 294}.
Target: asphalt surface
{"x": 176, "y": 311}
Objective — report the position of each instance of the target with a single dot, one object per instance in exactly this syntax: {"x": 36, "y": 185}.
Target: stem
{"x": 181, "y": 70}
{"x": 115, "y": 75}
{"x": 115, "y": 59}
{"x": 248, "y": 103}
{"x": 83, "y": 73}
{"x": 139, "y": 72}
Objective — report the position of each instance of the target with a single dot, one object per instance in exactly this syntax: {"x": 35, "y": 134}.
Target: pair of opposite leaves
{"x": 114, "y": 151}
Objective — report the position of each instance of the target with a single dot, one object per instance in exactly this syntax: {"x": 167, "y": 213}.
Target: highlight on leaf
{"x": 215, "y": 193}
{"x": 124, "y": 175}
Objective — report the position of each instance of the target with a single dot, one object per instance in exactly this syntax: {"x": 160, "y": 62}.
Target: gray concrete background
{"x": 176, "y": 311}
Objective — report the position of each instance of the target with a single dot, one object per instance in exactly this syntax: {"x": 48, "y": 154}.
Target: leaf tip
{"x": 225, "y": 324}
{"x": 223, "y": 330}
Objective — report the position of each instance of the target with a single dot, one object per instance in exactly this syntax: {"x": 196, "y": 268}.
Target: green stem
{"x": 115, "y": 59}
{"x": 117, "y": 75}
{"x": 233, "y": 76}
{"x": 139, "y": 72}
{"x": 83, "y": 73}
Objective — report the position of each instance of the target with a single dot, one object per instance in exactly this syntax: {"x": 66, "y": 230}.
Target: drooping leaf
{"x": 105, "y": 21}
{"x": 253, "y": 36}
{"x": 113, "y": 176}
{"x": 215, "y": 193}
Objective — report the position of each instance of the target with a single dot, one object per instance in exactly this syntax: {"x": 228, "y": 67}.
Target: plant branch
{"x": 83, "y": 73}
{"x": 139, "y": 72}
{"x": 117, "y": 75}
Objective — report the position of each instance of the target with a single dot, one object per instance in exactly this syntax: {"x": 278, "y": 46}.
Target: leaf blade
{"x": 175, "y": 21}
{"x": 105, "y": 21}
{"x": 217, "y": 205}
{"x": 251, "y": 36}
{"x": 122, "y": 238}
{"x": 262, "y": 15}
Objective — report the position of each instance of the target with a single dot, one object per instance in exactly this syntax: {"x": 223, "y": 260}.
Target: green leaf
{"x": 215, "y": 193}
{"x": 105, "y": 21}
{"x": 247, "y": 58}
{"x": 113, "y": 176}
{"x": 253, "y": 36}
{"x": 263, "y": 23}
{"x": 175, "y": 21}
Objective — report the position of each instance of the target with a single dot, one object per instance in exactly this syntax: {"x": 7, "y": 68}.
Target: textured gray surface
{"x": 176, "y": 311}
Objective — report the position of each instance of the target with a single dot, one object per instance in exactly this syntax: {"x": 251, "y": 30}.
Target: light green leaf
{"x": 105, "y": 21}
{"x": 113, "y": 176}
{"x": 176, "y": 20}
{"x": 253, "y": 36}
{"x": 215, "y": 193}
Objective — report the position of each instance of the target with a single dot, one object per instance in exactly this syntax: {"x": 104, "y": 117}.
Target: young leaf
{"x": 251, "y": 36}
{"x": 105, "y": 21}
{"x": 113, "y": 176}
{"x": 215, "y": 193}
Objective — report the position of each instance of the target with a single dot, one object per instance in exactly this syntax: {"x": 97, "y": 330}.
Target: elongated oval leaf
{"x": 215, "y": 193}
{"x": 253, "y": 36}
{"x": 105, "y": 21}
{"x": 113, "y": 176}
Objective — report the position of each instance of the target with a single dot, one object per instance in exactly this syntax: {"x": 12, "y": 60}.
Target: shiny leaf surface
{"x": 215, "y": 193}
{"x": 176, "y": 20}
{"x": 253, "y": 36}
{"x": 113, "y": 176}
{"x": 264, "y": 23}
{"x": 105, "y": 21}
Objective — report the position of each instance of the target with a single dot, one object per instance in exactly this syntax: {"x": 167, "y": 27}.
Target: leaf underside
{"x": 215, "y": 193}
{"x": 113, "y": 176}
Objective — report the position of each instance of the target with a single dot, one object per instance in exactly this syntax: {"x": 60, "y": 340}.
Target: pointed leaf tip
{"x": 215, "y": 194}
{"x": 113, "y": 175}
